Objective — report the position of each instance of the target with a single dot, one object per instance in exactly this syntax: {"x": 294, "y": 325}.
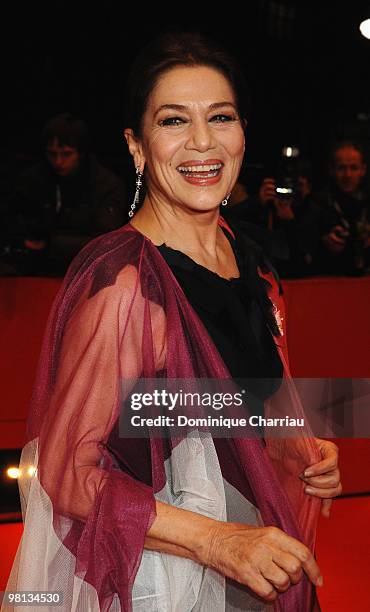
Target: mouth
{"x": 201, "y": 173}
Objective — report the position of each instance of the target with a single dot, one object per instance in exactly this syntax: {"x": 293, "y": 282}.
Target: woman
{"x": 177, "y": 523}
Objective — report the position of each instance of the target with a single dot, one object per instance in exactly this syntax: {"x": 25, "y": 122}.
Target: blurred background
{"x": 306, "y": 62}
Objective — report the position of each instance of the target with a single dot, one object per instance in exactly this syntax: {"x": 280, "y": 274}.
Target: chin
{"x": 206, "y": 203}
{"x": 205, "y": 206}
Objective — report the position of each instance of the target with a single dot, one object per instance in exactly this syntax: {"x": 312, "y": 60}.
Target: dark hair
{"x": 168, "y": 51}
{"x": 347, "y": 142}
{"x": 68, "y": 131}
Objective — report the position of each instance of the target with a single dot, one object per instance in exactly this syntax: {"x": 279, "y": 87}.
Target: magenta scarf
{"x": 120, "y": 315}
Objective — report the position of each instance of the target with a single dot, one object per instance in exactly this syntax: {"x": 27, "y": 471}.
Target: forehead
{"x": 348, "y": 155}
{"x": 55, "y": 146}
{"x": 191, "y": 84}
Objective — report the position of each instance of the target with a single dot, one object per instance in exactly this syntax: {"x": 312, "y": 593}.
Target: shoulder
{"x": 108, "y": 260}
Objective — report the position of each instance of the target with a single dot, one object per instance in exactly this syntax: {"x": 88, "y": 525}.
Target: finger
{"x": 276, "y": 576}
{"x": 326, "y": 507}
{"x": 340, "y": 229}
{"x": 269, "y": 191}
{"x": 330, "y": 462}
{"x": 336, "y": 239}
{"x": 299, "y": 550}
{"x": 290, "y": 564}
{"x": 326, "y": 481}
{"x": 260, "y": 586}
{"x": 324, "y": 493}
{"x": 312, "y": 570}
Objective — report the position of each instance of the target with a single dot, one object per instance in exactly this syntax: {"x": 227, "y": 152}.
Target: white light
{"x": 13, "y": 472}
{"x": 365, "y": 28}
{"x": 284, "y": 190}
{"x": 290, "y": 151}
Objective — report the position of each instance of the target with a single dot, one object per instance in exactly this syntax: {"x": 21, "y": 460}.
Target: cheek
{"x": 161, "y": 150}
{"x": 235, "y": 144}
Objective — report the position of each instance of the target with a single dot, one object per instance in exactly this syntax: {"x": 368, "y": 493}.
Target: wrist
{"x": 205, "y": 541}
{"x": 180, "y": 531}
{"x": 221, "y": 537}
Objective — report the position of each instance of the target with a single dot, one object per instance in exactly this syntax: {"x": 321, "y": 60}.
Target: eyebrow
{"x": 181, "y": 107}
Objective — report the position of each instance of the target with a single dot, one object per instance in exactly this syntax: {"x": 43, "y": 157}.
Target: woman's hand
{"x": 323, "y": 478}
{"x": 265, "y": 559}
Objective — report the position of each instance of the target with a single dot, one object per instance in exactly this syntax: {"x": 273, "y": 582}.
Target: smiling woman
{"x": 191, "y": 151}
{"x": 188, "y": 521}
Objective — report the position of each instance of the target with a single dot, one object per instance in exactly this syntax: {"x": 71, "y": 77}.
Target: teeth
{"x": 202, "y": 174}
{"x": 207, "y": 168}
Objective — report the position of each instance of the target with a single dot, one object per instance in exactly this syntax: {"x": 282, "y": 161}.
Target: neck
{"x": 187, "y": 231}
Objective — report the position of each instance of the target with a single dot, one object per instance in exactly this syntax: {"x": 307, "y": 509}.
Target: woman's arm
{"x": 265, "y": 559}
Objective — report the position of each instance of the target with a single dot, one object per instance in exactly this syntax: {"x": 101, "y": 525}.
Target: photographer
{"x": 284, "y": 206}
{"x": 344, "y": 212}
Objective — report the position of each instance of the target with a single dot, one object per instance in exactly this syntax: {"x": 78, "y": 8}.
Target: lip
{"x": 200, "y": 162}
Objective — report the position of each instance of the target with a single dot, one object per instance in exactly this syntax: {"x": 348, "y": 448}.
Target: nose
{"x": 57, "y": 160}
{"x": 348, "y": 172}
{"x": 201, "y": 137}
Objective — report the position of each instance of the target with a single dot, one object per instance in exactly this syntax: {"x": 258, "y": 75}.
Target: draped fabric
{"x": 121, "y": 316}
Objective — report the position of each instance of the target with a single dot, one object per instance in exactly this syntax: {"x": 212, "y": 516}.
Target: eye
{"x": 172, "y": 121}
{"x": 221, "y": 118}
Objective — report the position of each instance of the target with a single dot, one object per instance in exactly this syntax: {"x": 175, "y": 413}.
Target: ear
{"x": 135, "y": 148}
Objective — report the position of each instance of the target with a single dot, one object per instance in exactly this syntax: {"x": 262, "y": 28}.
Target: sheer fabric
{"x": 120, "y": 315}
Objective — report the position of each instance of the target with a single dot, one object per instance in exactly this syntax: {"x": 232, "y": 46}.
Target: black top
{"x": 238, "y": 317}
{"x": 234, "y": 311}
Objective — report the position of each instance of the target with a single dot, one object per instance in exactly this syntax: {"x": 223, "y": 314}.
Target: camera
{"x": 287, "y": 173}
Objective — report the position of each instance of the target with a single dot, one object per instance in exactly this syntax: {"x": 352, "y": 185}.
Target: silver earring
{"x": 139, "y": 182}
{"x": 225, "y": 201}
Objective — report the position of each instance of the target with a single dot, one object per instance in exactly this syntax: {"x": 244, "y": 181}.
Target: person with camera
{"x": 344, "y": 212}
{"x": 283, "y": 205}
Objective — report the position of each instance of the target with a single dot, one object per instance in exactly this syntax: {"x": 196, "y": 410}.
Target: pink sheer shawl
{"x": 121, "y": 315}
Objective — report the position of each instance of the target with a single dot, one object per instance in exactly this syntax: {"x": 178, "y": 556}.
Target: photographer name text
{"x": 181, "y": 420}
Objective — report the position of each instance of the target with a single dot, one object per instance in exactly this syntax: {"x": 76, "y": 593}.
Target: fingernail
{"x": 309, "y": 490}
{"x": 308, "y": 473}
{"x": 320, "y": 581}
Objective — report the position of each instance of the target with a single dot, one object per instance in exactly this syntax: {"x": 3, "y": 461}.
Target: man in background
{"x": 64, "y": 201}
{"x": 345, "y": 211}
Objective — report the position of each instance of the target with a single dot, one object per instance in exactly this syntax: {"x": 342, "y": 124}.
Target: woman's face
{"x": 193, "y": 141}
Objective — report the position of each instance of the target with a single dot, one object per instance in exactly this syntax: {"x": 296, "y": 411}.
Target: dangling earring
{"x": 139, "y": 182}
{"x": 225, "y": 201}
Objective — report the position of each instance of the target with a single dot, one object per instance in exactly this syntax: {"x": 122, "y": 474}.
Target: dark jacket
{"x": 353, "y": 215}
{"x": 66, "y": 212}
{"x": 300, "y": 235}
